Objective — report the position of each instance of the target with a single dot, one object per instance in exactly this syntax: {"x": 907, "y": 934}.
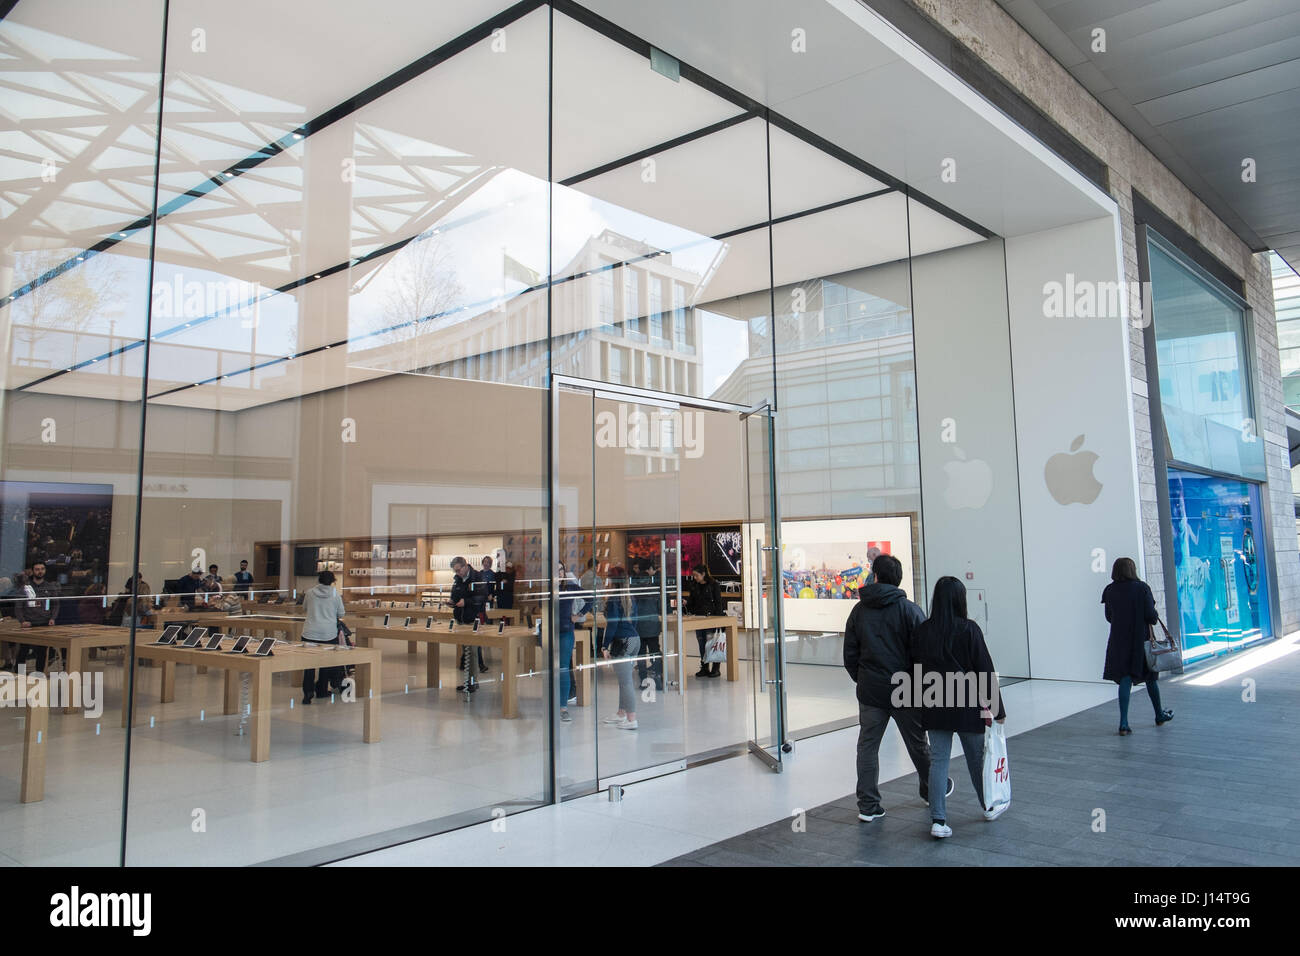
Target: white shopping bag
{"x": 997, "y": 771}
{"x": 715, "y": 648}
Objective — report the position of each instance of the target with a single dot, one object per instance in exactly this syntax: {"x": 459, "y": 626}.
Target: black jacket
{"x": 1130, "y": 608}
{"x": 705, "y": 599}
{"x": 39, "y": 615}
{"x": 470, "y": 588}
{"x": 877, "y": 641}
{"x": 959, "y": 698}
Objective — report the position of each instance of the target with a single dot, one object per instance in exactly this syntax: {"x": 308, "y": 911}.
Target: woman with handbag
{"x": 621, "y": 643}
{"x": 704, "y": 599}
{"x": 952, "y": 646}
{"x": 1131, "y": 610}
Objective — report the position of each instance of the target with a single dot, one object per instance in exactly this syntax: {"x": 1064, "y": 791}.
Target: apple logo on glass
{"x": 1069, "y": 475}
{"x": 970, "y": 482}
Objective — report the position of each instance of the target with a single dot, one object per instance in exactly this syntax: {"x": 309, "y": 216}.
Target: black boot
{"x": 716, "y": 672}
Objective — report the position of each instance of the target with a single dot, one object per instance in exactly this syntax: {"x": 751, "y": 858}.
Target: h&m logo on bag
{"x": 77, "y": 909}
{"x": 1000, "y": 772}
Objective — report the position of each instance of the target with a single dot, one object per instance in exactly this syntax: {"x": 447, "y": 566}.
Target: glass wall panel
{"x": 1205, "y": 376}
{"x": 1218, "y": 530}
{"x": 80, "y": 103}
{"x": 349, "y": 360}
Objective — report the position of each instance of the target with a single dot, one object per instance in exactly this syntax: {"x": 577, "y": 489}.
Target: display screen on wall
{"x": 1222, "y": 588}
{"x": 723, "y": 552}
{"x": 641, "y": 547}
{"x": 67, "y": 526}
{"x": 824, "y": 563}
{"x": 304, "y": 562}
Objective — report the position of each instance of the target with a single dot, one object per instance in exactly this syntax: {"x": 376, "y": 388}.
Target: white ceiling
{"x": 462, "y": 148}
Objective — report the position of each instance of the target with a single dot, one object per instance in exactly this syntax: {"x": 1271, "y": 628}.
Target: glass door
{"x": 617, "y": 508}
{"x": 770, "y": 739}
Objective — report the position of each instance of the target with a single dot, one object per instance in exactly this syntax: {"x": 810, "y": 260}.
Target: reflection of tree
{"x": 420, "y": 288}
{"x": 71, "y": 302}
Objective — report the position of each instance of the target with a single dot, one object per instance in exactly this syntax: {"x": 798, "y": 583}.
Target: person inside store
{"x": 323, "y": 608}
{"x": 212, "y": 583}
{"x": 646, "y": 613}
{"x": 505, "y": 596}
{"x": 878, "y": 645}
{"x": 704, "y": 599}
{"x": 1131, "y": 610}
{"x": 621, "y": 643}
{"x": 188, "y": 586}
{"x": 38, "y": 608}
{"x": 488, "y": 582}
{"x": 244, "y": 580}
{"x": 90, "y": 606}
{"x": 467, "y": 607}
{"x": 566, "y": 613}
{"x": 952, "y": 645}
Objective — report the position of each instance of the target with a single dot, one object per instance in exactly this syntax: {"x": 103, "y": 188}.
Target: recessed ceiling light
{"x": 81, "y": 258}
{"x": 316, "y": 276}
{"x": 297, "y": 135}
{"x": 121, "y": 235}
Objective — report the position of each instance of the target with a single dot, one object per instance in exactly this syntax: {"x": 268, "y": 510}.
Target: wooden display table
{"x": 690, "y": 623}
{"x": 287, "y": 657}
{"x": 396, "y": 615}
{"x": 36, "y": 734}
{"x": 264, "y": 625}
{"x": 513, "y": 641}
{"x": 73, "y": 639}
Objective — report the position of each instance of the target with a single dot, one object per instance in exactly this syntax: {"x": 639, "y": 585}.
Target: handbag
{"x": 617, "y": 647}
{"x": 1162, "y": 654}
{"x": 997, "y": 770}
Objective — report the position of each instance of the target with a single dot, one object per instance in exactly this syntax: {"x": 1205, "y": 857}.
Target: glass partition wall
{"x": 532, "y": 338}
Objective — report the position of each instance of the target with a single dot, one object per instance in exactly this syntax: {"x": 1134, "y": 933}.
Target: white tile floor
{"x": 665, "y": 817}
{"x": 438, "y": 757}
{"x": 323, "y": 785}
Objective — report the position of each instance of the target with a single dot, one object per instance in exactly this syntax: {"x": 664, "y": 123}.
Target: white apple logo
{"x": 1069, "y": 475}
{"x": 970, "y": 483}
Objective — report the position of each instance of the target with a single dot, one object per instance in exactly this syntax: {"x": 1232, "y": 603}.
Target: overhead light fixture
{"x": 297, "y": 135}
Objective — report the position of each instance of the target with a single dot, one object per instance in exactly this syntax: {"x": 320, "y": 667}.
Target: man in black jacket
{"x": 467, "y": 605}
{"x": 877, "y": 645}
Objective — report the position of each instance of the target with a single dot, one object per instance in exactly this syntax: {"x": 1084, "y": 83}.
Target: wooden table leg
{"x": 260, "y": 745}
{"x": 168, "y": 682}
{"x": 38, "y": 726}
{"x": 733, "y": 652}
{"x": 581, "y": 674}
{"x": 411, "y": 646}
{"x": 509, "y": 680}
{"x": 365, "y": 683}
{"x": 72, "y": 665}
{"x": 530, "y": 654}
{"x": 433, "y": 666}
{"x": 231, "y": 693}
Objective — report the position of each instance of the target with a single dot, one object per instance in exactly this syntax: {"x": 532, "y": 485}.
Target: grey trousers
{"x": 627, "y": 694}
{"x": 871, "y": 728}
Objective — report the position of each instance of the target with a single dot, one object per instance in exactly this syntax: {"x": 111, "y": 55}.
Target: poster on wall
{"x": 645, "y": 547}
{"x": 824, "y": 563}
{"x": 66, "y": 526}
{"x": 723, "y": 550}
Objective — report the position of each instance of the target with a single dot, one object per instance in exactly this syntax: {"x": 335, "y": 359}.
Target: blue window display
{"x": 1222, "y": 589}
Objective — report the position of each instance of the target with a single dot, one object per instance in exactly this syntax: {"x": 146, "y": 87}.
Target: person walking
{"x": 952, "y": 646}
{"x": 621, "y": 643}
{"x": 323, "y": 607}
{"x": 705, "y": 598}
{"x": 649, "y": 627}
{"x": 1131, "y": 610}
{"x": 877, "y": 645}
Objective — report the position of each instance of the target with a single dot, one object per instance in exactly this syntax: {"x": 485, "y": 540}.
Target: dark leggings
{"x": 1126, "y": 688}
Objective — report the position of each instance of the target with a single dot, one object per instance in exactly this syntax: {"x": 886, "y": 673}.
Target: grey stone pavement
{"x": 1217, "y": 786}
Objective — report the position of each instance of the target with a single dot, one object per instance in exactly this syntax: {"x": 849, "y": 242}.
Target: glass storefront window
{"x": 1205, "y": 381}
{"x": 1219, "y": 561}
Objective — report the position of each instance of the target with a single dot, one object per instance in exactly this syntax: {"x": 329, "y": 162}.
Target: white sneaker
{"x": 996, "y": 812}
{"x": 571, "y": 700}
{"x": 616, "y": 719}
{"x": 565, "y": 718}
{"x": 940, "y": 830}
{"x": 627, "y": 725}
{"x": 868, "y": 817}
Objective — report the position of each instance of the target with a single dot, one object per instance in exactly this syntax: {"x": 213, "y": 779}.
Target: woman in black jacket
{"x": 1131, "y": 610}
{"x": 705, "y": 598}
{"x": 952, "y": 646}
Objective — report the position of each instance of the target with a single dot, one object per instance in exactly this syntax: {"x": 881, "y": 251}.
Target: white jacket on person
{"x": 323, "y": 607}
